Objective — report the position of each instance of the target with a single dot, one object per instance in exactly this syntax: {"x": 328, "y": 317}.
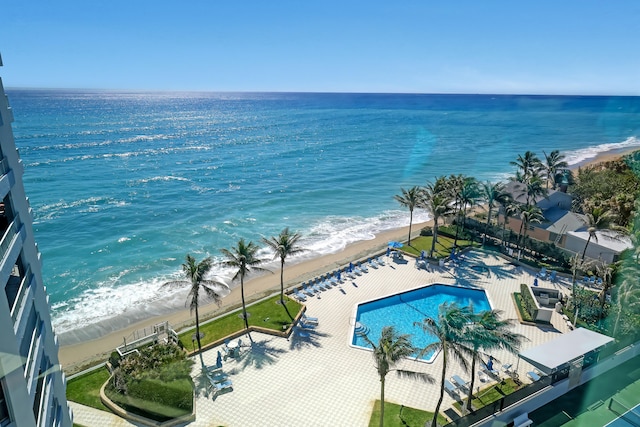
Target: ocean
{"x": 124, "y": 184}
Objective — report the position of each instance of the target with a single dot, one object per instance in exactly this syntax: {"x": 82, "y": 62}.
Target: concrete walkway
{"x": 322, "y": 380}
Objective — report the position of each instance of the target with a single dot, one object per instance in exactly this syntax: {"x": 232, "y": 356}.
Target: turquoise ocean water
{"x": 123, "y": 185}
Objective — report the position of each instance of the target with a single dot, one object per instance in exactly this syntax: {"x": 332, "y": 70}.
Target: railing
{"x": 46, "y": 401}
{"x": 32, "y": 358}
{"x": 9, "y": 235}
{"x": 4, "y": 166}
{"x": 25, "y": 286}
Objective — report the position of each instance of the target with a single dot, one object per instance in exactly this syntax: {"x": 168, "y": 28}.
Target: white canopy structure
{"x": 558, "y": 353}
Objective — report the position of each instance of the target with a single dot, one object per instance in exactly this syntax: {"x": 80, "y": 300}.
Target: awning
{"x": 557, "y": 353}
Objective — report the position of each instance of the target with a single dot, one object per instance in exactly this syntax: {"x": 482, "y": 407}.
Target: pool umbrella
{"x": 394, "y": 244}
{"x": 350, "y": 267}
{"x": 422, "y": 255}
{"x": 388, "y": 251}
{"x": 339, "y": 276}
{"x": 535, "y": 282}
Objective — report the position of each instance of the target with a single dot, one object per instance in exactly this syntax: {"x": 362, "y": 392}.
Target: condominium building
{"x": 32, "y": 385}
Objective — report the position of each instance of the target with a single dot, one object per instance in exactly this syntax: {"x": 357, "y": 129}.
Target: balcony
{"x": 17, "y": 305}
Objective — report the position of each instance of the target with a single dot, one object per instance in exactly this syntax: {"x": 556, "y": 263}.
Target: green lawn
{"x": 402, "y": 416}
{"x": 491, "y": 394}
{"x": 443, "y": 245}
{"x": 85, "y": 389}
{"x": 268, "y": 314}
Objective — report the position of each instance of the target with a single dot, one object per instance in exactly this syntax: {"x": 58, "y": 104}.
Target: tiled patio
{"x": 321, "y": 380}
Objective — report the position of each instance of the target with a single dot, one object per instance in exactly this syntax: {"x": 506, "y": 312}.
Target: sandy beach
{"x": 72, "y": 357}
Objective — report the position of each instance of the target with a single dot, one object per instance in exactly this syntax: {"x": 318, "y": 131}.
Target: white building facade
{"x": 32, "y": 384}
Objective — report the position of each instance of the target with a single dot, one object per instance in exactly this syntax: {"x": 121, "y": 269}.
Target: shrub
{"x": 528, "y": 304}
{"x": 426, "y": 231}
{"x": 154, "y": 383}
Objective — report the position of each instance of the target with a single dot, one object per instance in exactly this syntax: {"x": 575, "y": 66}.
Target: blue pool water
{"x": 404, "y": 309}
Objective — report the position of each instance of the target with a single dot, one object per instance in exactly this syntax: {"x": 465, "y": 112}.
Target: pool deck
{"x": 320, "y": 380}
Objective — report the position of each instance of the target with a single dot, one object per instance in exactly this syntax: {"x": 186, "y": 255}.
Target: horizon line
{"x": 61, "y": 89}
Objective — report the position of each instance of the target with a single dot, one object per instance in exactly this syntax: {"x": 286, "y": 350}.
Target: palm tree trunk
{"x": 434, "y": 422}
{"x": 382, "y": 402}
{"x": 410, "y": 223}
{"x": 486, "y": 227}
{"x": 282, "y": 281}
{"x": 244, "y": 308}
{"x": 435, "y": 235}
{"x": 198, "y": 329}
{"x": 473, "y": 380}
{"x": 584, "y": 252}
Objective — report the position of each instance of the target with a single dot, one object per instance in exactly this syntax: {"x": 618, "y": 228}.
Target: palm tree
{"x": 596, "y": 219}
{"x": 410, "y": 199}
{"x": 554, "y": 165}
{"x": 488, "y": 332}
{"x": 511, "y": 208}
{"x": 628, "y": 293}
{"x": 605, "y": 271}
{"x": 448, "y": 329}
{"x": 527, "y": 164}
{"x": 195, "y": 272}
{"x": 242, "y": 256}
{"x": 283, "y": 245}
{"x": 469, "y": 196}
{"x": 493, "y": 193}
{"x": 529, "y": 215}
{"x": 391, "y": 348}
{"x": 438, "y": 203}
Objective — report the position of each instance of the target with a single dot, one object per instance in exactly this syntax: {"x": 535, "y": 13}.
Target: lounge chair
{"x": 592, "y": 280}
{"x": 357, "y": 270}
{"x": 309, "y": 290}
{"x": 220, "y": 386}
{"x": 309, "y": 319}
{"x": 450, "y": 388}
{"x": 552, "y": 276}
{"x": 533, "y": 376}
{"x": 217, "y": 376}
{"x": 542, "y": 273}
{"x": 599, "y": 281}
{"x": 299, "y": 295}
{"x": 372, "y": 264}
{"x": 363, "y": 267}
{"x": 462, "y": 384}
{"x": 300, "y": 333}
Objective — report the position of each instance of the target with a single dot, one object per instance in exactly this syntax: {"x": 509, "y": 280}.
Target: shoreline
{"x": 73, "y": 356}
{"x": 77, "y": 355}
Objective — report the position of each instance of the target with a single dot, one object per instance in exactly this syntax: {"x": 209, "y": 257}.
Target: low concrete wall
{"x": 139, "y": 419}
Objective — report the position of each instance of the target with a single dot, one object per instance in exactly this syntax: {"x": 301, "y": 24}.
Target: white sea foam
{"x": 112, "y": 304}
{"x": 577, "y": 157}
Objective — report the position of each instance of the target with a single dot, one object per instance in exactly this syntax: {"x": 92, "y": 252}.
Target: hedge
{"x": 527, "y": 301}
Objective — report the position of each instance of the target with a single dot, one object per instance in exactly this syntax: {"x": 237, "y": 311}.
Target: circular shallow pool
{"x": 402, "y": 310}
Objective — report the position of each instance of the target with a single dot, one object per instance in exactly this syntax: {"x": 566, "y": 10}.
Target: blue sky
{"x": 426, "y": 46}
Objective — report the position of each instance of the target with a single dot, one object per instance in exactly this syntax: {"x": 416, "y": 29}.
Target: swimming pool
{"x": 403, "y": 309}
